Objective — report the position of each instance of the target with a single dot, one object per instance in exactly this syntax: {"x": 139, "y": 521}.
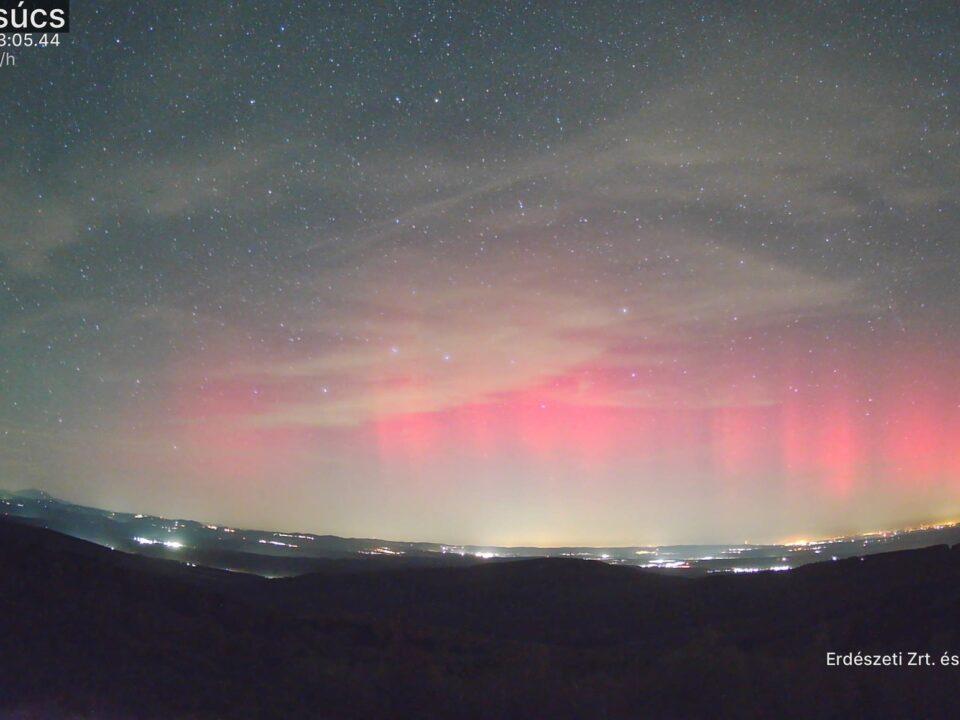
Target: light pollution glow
{"x": 484, "y": 280}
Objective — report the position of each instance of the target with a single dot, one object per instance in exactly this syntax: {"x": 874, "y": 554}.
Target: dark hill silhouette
{"x": 274, "y": 553}
{"x": 85, "y": 631}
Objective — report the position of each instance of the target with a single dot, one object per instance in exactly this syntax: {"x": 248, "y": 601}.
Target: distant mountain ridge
{"x": 275, "y": 553}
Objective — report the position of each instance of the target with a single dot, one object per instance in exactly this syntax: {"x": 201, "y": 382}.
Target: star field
{"x": 542, "y": 273}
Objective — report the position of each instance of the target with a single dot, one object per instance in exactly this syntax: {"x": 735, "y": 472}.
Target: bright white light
{"x": 381, "y": 551}
{"x": 172, "y": 544}
{"x": 775, "y": 568}
{"x": 668, "y": 564}
{"x": 278, "y": 543}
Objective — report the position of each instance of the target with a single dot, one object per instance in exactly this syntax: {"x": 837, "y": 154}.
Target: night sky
{"x": 529, "y": 272}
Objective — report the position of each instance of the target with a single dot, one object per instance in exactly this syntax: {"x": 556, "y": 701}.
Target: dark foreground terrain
{"x": 89, "y": 632}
